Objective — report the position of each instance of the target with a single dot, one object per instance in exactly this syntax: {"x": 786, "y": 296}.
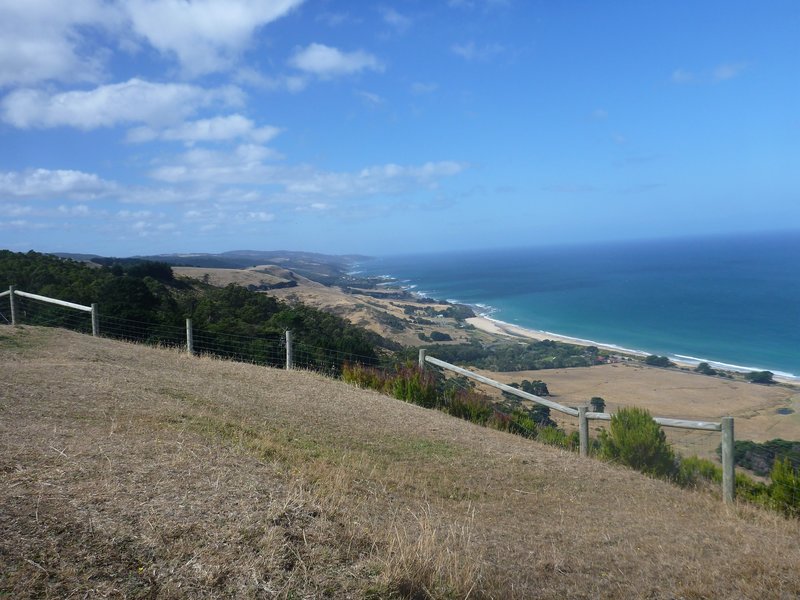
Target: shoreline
{"x": 488, "y": 324}
{"x": 498, "y": 327}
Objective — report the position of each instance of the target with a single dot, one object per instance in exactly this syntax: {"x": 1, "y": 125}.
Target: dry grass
{"x": 257, "y": 276}
{"x": 127, "y": 471}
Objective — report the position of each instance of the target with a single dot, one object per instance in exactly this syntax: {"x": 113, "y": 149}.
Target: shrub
{"x": 705, "y": 369}
{"x": 415, "y": 386}
{"x": 365, "y": 377}
{"x": 693, "y": 470}
{"x": 759, "y": 377}
{"x": 558, "y": 437}
{"x": 468, "y": 405}
{"x": 658, "y": 361}
{"x": 438, "y": 336}
{"x": 597, "y": 404}
{"x": 635, "y": 439}
{"x": 784, "y": 491}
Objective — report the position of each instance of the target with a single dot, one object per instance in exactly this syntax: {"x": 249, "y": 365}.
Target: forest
{"x": 143, "y": 301}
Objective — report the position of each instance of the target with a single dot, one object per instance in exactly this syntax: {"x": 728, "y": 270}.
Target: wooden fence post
{"x": 289, "y": 358}
{"x": 95, "y": 320}
{"x": 583, "y": 429}
{"x": 728, "y": 466}
{"x": 422, "y": 359}
{"x": 189, "y": 338}
{"x": 12, "y": 299}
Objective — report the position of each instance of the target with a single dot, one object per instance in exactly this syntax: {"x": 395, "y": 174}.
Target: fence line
{"x": 725, "y": 426}
{"x": 282, "y": 351}
{"x": 273, "y": 349}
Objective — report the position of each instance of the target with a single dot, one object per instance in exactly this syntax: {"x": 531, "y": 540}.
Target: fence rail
{"x": 584, "y": 416}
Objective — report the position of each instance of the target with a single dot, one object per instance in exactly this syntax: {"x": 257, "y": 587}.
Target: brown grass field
{"x": 128, "y": 471}
{"x": 675, "y": 393}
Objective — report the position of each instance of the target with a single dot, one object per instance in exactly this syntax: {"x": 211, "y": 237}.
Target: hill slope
{"x": 133, "y": 471}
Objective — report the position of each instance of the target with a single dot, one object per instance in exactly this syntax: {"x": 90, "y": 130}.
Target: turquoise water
{"x": 734, "y": 301}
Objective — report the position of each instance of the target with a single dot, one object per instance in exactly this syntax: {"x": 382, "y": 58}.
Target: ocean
{"x": 731, "y": 301}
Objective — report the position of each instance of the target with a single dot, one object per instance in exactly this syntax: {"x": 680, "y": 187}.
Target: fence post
{"x": 189, "y": 338}
{"x": 583, "y": 429}
{"x": 289, "y": 360}
{"x": 95, "y": 320}
{"x": 422, "y": 359}
{"x": 728, "y": 467}
{"x": 12, "y": 289}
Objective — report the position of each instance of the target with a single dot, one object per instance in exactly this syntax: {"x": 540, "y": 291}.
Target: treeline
{"x": 146, "y": 303}
{"x": 760, "y": 457}
{"x": 545, "y": 354}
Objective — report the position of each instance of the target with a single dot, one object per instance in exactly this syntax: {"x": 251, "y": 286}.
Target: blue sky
{"x": 151, "y": 126}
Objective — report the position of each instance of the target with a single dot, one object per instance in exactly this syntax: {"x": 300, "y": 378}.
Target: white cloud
{"x": 720, "y": 73}
{"x": 134, "y": 101}
{"x": 600, "y": 114}
{"x": 395, "y": 19}
{"x": 728, "y": 71}
{"x": 40, "y": 40}
{"x": 420, "y": 88}
{"x": 259, "y": 216}
{"x": 472, "y": 51}
{"x": 376, "y": 180}
{"x": 62, "y": 183}
{"x": 370, "y": 98}
{"x": 44, "y": 40}
{"x": 204, "y": 35}
{"x": 325, "y": 61}
{"x": 244, "y": 165}
{"x": 215, "y": 129}
{"x": 682, "y": 76}
{"x": 248, "y": 166}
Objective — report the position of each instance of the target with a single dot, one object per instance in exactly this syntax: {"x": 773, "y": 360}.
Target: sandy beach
{"x": 500, "y": 328}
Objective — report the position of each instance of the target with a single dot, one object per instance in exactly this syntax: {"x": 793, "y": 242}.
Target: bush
{"x": 759, "y": 377}
{"x": 438, "y": 336}
{"x": 784, "y": 491}
{"x": 705, "y": 369}
{"x": 597, "y": 404}
{"x": 693, "y": 471}
{"x": 658, "y": 361}
{"x": 554, "y": 436}
{"x": 468, "y": 405}
{"x": 365, "y": 377}
{"x": 635, "y": 439}
{"x": 415, "y": 386}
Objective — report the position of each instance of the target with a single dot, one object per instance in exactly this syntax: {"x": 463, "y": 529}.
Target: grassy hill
{"x": 132, "y": 471}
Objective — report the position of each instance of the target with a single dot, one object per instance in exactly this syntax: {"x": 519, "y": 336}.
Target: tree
{"x": 759, "y": 377}
{"x": 705, "y": 369}
{"x": 438, "y": 336}
{"x": 541, "y": 416}
{"x": 635, "y": 439}
{"x": 536, "y": 387}
{"x": 658, "y": 361}
{"x": 597, "y": 404}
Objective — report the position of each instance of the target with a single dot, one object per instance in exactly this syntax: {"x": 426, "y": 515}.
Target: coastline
{"x": 498, "y": 327}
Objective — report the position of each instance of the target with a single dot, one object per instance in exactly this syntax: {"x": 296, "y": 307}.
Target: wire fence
{"x": 267, "y": 348}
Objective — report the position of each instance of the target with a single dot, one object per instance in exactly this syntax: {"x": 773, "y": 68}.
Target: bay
{"x": 732, "y": 301}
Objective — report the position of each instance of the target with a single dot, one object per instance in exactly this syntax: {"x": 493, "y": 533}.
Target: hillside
{"x": 139, "y": 472}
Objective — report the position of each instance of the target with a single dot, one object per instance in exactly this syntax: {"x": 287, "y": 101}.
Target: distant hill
{"x": 324, "y": 268}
